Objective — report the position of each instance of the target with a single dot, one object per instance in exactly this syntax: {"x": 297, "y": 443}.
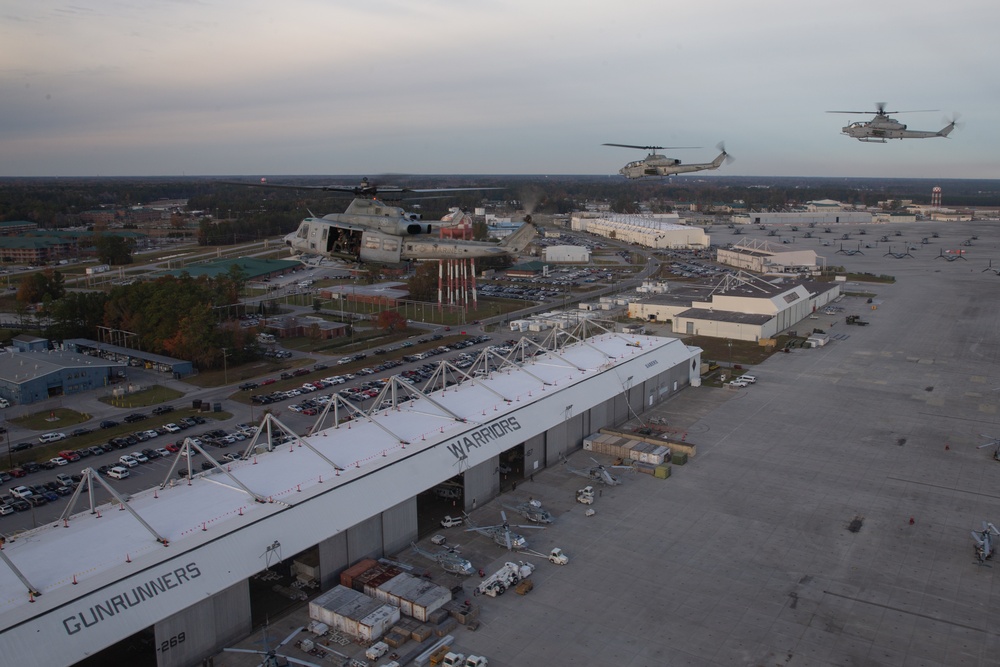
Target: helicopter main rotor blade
{"x": 652, "y": 148}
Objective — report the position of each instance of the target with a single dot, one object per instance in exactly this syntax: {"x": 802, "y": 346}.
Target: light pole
{"x": 729, "y": 343}
{"x": 225, "y": 367}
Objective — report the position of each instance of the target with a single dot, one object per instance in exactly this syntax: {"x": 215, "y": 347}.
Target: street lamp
{"x": 729, "y": 343}
{"x": 225, "y": 367}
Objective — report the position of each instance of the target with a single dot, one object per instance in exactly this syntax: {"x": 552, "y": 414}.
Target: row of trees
{"x": 182, "y": 317}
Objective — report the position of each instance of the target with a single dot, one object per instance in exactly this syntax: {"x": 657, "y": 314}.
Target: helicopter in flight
{"x": 448, "y": 559}
{"x": 656, "y": 164}
{"x": 370, "y": 230}
{"x": 882, "y": 127}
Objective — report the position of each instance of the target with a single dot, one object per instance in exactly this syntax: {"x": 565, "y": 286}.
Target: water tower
{"x": 936, "y": 197}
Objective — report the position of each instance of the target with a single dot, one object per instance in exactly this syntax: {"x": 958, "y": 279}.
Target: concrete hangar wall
{"x": 191, "y": 583}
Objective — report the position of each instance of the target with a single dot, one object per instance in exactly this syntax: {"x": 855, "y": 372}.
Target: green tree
{"x": 114, "y": 250}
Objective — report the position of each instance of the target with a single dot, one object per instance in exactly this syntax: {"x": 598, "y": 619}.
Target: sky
{"x": 255, "y": 88}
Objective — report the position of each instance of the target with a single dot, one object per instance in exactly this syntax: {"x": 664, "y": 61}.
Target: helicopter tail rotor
{"x": 721, "y": 146}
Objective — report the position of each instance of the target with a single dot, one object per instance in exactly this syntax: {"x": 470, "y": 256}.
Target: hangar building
{"x": 177, "y": 559}
{"x": 657, "y": 232}
{"x": 741, "y": 307}
{"x": 761, "y": 256}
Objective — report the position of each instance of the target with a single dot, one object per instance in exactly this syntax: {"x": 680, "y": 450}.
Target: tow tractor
{"x": 558, "y": 557}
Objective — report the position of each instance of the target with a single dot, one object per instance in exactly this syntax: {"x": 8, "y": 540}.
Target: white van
{"x": 4, "y": 403}
{"x": 118, "y": 472}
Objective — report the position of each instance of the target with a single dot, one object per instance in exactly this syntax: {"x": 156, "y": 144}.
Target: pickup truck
{"x": 451, "y": 521}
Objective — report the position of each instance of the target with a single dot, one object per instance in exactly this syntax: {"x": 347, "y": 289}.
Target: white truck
{"x": 451, "y": 521}
{"x": 453, "y": 660}
{"x": 376, "y": 650}
{"x": 476, "y": 661}
{"x": 558, "y": 557}
{"x": 504, "y": 578}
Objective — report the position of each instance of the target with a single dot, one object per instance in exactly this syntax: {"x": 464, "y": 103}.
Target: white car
{"x": 59, "y": 461}
{"x": 739, "y": 384}
{"x": 162, "y": 451}
{"x": 127, "y": 461}
{"x": 140, "y": 457}
{"x": 172, "y": 428}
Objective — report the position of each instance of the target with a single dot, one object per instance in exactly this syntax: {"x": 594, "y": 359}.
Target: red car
{"x": 310, "y": 412}
{"x": 268, "y": 381}
{"x": 172, "y": 448}
{"x": 17, "y": 472}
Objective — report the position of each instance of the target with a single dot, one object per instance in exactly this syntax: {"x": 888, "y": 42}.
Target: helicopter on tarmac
{"x": 532, "y": 511}
{"x": 372, "y": 231}
{"x": 993, "y": 442}
{"x": 984, "y": 541}
{"x": 502, "y": 534}
{"x": 882, "y": 127}
{"x": 448, "y": 559}
{"x": 600, "y": 473}
{"x": 655, "y": 164}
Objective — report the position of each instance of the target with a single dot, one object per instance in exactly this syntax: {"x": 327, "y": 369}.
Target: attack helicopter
{"x": 882, "y": 127}
{"x": 370, "y": 230}
{"x": 655, "y": 164}
{"x": 448, "y": 559}
{"x": 600, "y": 473}
{"x": 502, "y": 534}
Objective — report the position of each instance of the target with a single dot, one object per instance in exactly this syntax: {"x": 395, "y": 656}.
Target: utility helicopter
{"x": 532, "y": 511}
{"x": 370, "y": 230}
{"x": 448, "y": 559}
{"x": 502, "y": 534}
{"x": 882, "y": 127}
{"x": 656, "y": 164}
{"x": 600, "y": 473}
{"x": 984, "y": 541}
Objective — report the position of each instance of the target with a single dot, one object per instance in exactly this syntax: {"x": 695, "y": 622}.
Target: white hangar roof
{"x": 104, "y": 576}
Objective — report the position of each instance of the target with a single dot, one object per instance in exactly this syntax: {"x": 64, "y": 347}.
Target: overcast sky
{"x": 255, "y": 87}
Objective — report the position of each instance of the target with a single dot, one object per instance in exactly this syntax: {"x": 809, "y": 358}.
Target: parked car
{"x": 127, "y": 461}
{"x": 46, "y": 438}
{"x": 118, "y": 472}
{"x": 163, "y": 409}
{"x": 59, "y": 461}
{"x": 109, "y": 423}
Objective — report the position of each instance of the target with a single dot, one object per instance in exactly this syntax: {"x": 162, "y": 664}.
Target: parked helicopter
{"x": 502, "y": 534}
{"x": 270, "y": 656}
{"x": 655, "y": 164}
{"x": 883, "y": 127}
{"x": 993, "y": 442}
{"x": 532, "y": 511}
{"x": 600, "y": 473}
{"x": 449, "y": 559}
{"x": 984, "y": 541}
{"x": 372, "y": 231}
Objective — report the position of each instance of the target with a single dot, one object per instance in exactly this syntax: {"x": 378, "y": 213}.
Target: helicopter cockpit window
{"x": 303, "y": 231}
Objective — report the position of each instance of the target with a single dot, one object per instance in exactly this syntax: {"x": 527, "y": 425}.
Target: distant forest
{"x": 55, "y": 202}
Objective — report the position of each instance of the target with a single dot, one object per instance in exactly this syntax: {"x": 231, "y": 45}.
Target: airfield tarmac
{"x": 745, "y": 556}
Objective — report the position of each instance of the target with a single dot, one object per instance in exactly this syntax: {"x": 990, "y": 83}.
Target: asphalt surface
{"x": 825, "y": 519}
